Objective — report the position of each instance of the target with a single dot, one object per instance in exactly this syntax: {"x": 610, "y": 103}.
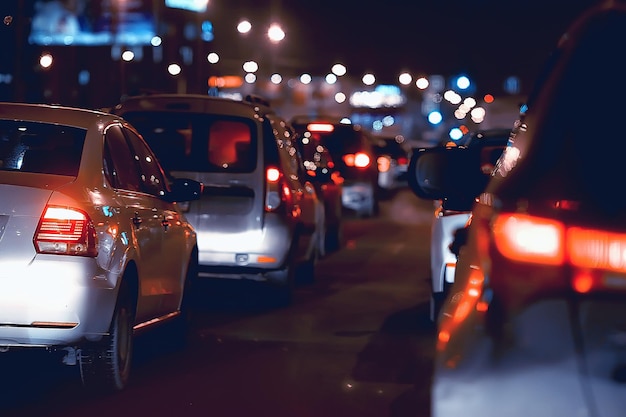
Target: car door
{"x": 166, "y": 219}
{"x": 144, "y": 223}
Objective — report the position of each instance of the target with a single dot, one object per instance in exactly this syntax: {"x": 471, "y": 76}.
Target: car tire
{"x": 283, "y": 281}
{"x": 106, "y": 365}
{"x": 284, "y": 290}
{"x": 189, "y": 302}
{"x": 305, "y": 271}
{"x": 436, "y": 302}
{"x": 333, "y": 238}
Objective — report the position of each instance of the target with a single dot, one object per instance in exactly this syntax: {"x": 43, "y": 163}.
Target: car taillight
{"x": 596, "y": 249}
{"x": 533, "y": 239}
{"x": 403, "y": 161}
{"x": 320, "y": 127}
{"x": 276, "y": 191}
{"x": 359, "y": 160}
{"x": 65, "y": 231}
{"x": 383, "y": 164}
{"x": 526, "y": 238}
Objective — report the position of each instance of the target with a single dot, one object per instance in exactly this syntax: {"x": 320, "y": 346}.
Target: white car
{"x": 93, "y": 246}
{"x": 453, "y": 213}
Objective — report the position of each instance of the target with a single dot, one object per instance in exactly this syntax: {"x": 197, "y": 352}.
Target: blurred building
{"x": 92, "y": 53}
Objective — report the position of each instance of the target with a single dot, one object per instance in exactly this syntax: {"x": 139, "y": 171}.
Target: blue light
{"x": 435, "y": 117}
{"x": 455, "y": 133}
{"x": 463, "y": 82}
{"x": 207, "y": 31}
{"x": 523, "y": 108}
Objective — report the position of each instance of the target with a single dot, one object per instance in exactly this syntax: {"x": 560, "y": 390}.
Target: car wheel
{"x": 283, "y": 281}
{"x": 306, "y": 270}
{"x": 105, "y": 365}
{"x": 321, "y": 240}
{"x": 333, "y": 238}
{"x": 283, "y": 285}
{"x": 436, "y": 302}
{"x": 189, "y": 302}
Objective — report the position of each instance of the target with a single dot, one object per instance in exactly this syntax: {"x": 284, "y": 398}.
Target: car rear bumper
{"x": 358, "y": 196}
{"x": 54, "y": 301}
{"x": 265, "y": 248}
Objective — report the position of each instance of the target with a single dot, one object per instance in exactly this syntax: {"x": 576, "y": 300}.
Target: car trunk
{"x": 17, "y": 231}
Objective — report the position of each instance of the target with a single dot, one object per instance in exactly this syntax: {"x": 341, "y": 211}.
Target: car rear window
{"x": 40, "y": 147}
{"x": 341, "y": 141}
{"x": 198, "y": 142}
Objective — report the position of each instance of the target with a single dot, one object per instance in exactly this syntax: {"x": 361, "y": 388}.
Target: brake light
{"x": 277, "y": 190}
{"x": 273, "y": 174}
{"x": 596, "y": 249}
{"x": 359, "y": 160}
{"x": 533, "y": 239}
{"x": 403, "y": 161}
{"x": 526, "y": 238}
{"x": 65, "y": 231}
{"x": 320, "y": 127}
{"x": 383, "y": 164}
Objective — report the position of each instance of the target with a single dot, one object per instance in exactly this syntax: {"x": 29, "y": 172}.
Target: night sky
{"x": 490, "y": 40}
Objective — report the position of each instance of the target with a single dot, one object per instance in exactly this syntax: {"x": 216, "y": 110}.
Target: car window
{"x": 40, "y": 147}
{"x": 121, "y": 167}
{"x": 199, "y": 142}
{"x": 342, "y": 140}
{"x": 230, "y": 144}
{"x": 285, "y": 138}
{"x": 152, "y": 178}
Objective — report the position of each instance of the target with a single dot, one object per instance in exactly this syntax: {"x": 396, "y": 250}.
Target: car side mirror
{"x": 446, "y": 173}
{"x": 184, "y": 189}
{"x": 459, "y": 239}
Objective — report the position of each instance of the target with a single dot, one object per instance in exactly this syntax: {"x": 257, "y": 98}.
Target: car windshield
{"x": 40, "y": 147}
{"x": 198, "y": 142}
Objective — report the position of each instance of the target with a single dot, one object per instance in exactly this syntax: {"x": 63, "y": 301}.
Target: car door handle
{"x": 137, "y": 219}
{"x": 165, "y": 223}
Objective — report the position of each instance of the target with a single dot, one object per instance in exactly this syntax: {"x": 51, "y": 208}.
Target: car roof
{"x": 70, "y": 116}
{"x": 184, "y": 102}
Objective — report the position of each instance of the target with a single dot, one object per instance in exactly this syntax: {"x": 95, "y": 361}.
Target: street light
{"x": 244, "y": 27}
{"x": 275, "y": 33}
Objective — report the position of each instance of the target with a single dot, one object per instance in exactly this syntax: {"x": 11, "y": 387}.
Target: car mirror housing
{"x": 446, "y": 173}
{"x": 184, "y": 189}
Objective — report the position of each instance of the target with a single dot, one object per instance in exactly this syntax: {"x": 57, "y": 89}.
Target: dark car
{"x": 392, "y": 158}
{"x": 535, "y": 323}
{"x": 352, "y": 150}
{"x": 325, "y": 176}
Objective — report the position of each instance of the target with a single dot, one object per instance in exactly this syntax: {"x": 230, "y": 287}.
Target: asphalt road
{"x": 356, "y": 343}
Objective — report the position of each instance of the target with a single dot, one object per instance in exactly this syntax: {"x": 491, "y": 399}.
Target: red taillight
{"x": 320, "y": 127}
{"x": 65, "y": 231}
{"x": 596, "y": 249}
{"x": 533, "y": 239}
{"x": 383, "y": 164}
{"x": 526, "y": 238}
{"x": 273, "y": 175}
{"x": 277, "y": 190}
{"x": 359, "y": 160}
{"x": 403, "y": 161}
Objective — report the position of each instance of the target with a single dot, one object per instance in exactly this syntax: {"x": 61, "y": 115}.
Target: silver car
{"x": 93, "y": 245}
{"x": 259, "y": 217}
